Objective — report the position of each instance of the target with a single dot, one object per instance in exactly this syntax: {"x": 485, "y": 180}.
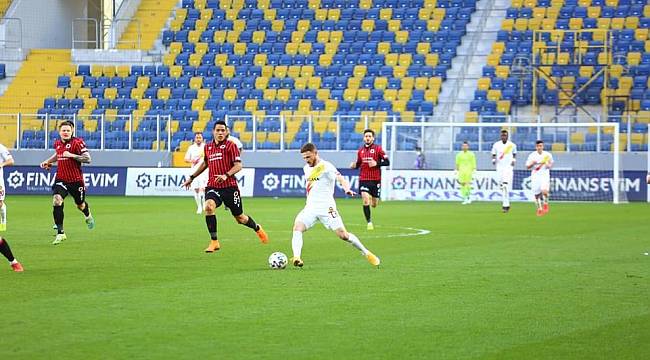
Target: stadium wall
{"x": 342, "y": 159}
{"x": 50, "y": 26}
{"x": 427, "y": 185}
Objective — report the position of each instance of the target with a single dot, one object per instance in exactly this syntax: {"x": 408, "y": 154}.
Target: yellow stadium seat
{"x": 383, "y": 48}
{"x": 577, "y": 138}
{"x": 641, "y": 34}
{"x": 269, "y": 14}
{"x": 280, "y": 71}
{"x": 405, "y": 59}
{"x": 175, "y": 71}
{"x": 283, "y": 94}
{"x": 631, "y": 22}
{"x": 575, "y": 23}
{"x": 386, "y": 14}
{"x": 401, "y": 36}
{"x": 558, "y": 147}
{"x": 493, "y": 59}
{"x": 164, "y": 93}
{"x": 539, "y": 13}
{"x": 521, "y": 24}
{"x": 259, "y": 60}
{"x": 336, "y": 36}
{"x": 334, "y": 14}
{"x": 603, "y": 23}
{"x": 391, "y": 59}
{"x": 291, "y": 48}
{"x": 307, "y": 71}
{"x": 381, "y": 83}
{"x": 617, "y": 23}
{"x": 230, "y": 94}
{"x": 508, "y": 24}
{"x": 314, "y": 83}
{"x": 368, "y": 25}
{"x": 261, "y": 82}
{"x": 354, "y": 83}
{"x": 408, "y": 83}
{"x": 110, "y": 93}
{"x": 143, "y": 82}
{"x": 471, "y": 117}
{"x": 123, "y": 70}
{"x": 219, "y": 37}
{"x": 494, "y": 95}
{"x": 502, "y": 71}
{"x": 293, "y": 71}
{"x": 534, "y": 24}
{"x": 323, "y": 94}
{"x": 240, "y": 49}
{"x": 633, "y": 58}
{"x": 390, "y": 95}
{"x": 304, "y": 49}
{"x": 431, "y": 59}
{"x": 83, "y": 93}
{"x": 331, "y": 48}
{"x": 269, "y": 94}
{"x": 484, "y": 84}
{"x": 137, "y": 93}
{"x": 228, "y": 71}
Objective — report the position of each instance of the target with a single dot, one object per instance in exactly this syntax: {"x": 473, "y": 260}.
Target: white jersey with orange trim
{"x": 320, "y": 182}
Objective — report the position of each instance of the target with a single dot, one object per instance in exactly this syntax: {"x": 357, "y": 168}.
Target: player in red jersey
{"x": 370, "y": 158}
{"x": 5, "y": 250}
{"x": 223, "y": 161}
{"x": 70, "y": 153}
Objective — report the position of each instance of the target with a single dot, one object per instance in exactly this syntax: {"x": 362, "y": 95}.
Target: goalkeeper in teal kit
{"x": 465, "y": 167}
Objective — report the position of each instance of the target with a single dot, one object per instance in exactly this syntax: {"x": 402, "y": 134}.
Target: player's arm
{"x": 83, "y": 158}
{"x": 197, "y": 172}
{"x": 9, "y": 160}
{"x": 383, "y": 159}
{"x": 48, "y": 162}
{"x": 530, "y": 162}
{"x": 344, "y": 184}
{"x": 550, "y": 162}
{"x": 356, "y": 164}
{"x": 494, "y": 155}
{"x": 188, "y": 158}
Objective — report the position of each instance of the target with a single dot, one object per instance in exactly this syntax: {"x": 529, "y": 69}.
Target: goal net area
{"x": 586, "y": 156}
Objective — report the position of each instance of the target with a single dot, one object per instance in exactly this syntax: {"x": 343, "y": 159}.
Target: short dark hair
{"x": 465, "y": 142}
{"x": 539, "y": 142}
{"x": 504, "y": 131}
{"x": 369, "y": 131}
{"x": 220, "y": 122}
{"x": 198, "y": 133}
{"x": 307, "y": 147}
{"x": 66, "y": 123}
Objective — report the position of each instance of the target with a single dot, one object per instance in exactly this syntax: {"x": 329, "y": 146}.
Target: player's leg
{"x": 5, "y": 250}
{"x": 202, "y": 198}
{"x": 296, "y": 242}
{"x": 349, "y": 237}
{"x": 3, "y": 212}
{"x": 60, "y": 192}
{"x": 367, "y": 201}
{"x": 232, "y": 199}
{"x": 333, "y": 221}
{"x": 506, "y": 183}
{"x": 78, "y": 193}
{"x": 545, "y": 188}
{"x": 197, "y": 200}
{"x": 303, "y": 222}
{"x": 212, "y": 202}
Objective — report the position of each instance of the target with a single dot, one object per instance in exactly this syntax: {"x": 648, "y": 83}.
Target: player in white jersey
{"x": 540, "y": 162}
{"x": 5, "y": 160}
{"x": 321, "y": 177}
{"x": 194, "y": 156}
{"x": 504, "y": 153}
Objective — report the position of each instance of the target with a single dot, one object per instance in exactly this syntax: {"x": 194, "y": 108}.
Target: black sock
{"x": 58, "y": 218}
{"x": 211, "y": 221}
{"x": 366, "y": 212}
{"x": 86, "y": 210}
{"x": 6, "y": 250}
{"x": 252, "y": 224}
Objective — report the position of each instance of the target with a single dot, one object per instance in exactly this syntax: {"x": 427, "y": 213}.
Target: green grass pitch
{"x": 481, "y": 284}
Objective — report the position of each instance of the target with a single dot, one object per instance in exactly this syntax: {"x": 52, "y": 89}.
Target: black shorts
{"x": 372, "y": 187}
{"x": 229, "y": 196}
{"x": 76, "y": 189}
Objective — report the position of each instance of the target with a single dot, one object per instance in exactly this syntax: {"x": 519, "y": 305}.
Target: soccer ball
{"x": 278, "y": 261}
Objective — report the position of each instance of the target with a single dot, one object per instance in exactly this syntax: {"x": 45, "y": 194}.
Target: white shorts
{"x": 201, "y": 181}
{"x": 329, "y": 217}
{"x": 505, "y": 175}
{"x": 538, "y": 184}
{"x": 2, "y": 189}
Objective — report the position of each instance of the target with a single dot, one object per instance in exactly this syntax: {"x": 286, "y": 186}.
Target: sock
{"x": 538, "y": 201}
{"x": 296, "y": 243}
{"x": 197, "y": 200}
{"x": 545, "y": 199}
{"x": 251, "y": 224}
{"x": 3, "y": 214}
{"x": 86, "y": 210}
{"x": 366, "y": 212}
{"x": 58, "y": 218}
{"x": 506, "y": 195}
{"x": 354, "y": 240}
{"x": 6, "y": 250}
{"x": 211, "y": 222}
{"x": 202, "y": 199}
{"x": 466, "y": 190}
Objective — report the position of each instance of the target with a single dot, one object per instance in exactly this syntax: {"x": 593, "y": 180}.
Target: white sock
{"x": 354, "y": 240}
{"x": 3, "y": 214}
{"x": 506, "y": 195}
{"x": 197, "y": 199}
{"x": 202, "y": 197}
{"x": 296, "y": 244}
{"x": 14, "y": 262}
{"x": 538, "y": 200}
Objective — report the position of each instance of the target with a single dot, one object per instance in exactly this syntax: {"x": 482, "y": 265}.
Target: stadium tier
{"x": 563, "y": 46}
{"x": 297, "y": 59}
